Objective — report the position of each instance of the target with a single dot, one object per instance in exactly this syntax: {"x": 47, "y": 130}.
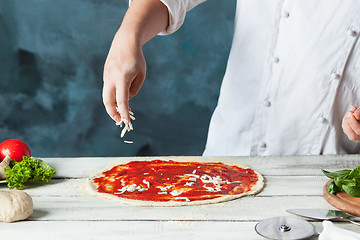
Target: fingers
{"x": 118, "y": 89}
{"x": 347, "y": 130}
{"x": 351, "y": 125}
{"x": 356, "y": 113}
{"x": 116, "y": 94}
{"x": 122, "y": 99}
{"x": 125, "y": 90}
{"x": 136, "y": 85}
{"x": 124, "y": 73}
{"x": 109, "y": 100}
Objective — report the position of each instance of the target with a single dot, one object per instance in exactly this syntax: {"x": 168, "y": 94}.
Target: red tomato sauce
{"x": 156, "y": 180}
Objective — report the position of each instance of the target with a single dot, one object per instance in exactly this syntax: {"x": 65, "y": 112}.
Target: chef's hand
{"x": 125, "y": 67}
{"x": 351, "y": 124}
{"x": 124, "y": 73}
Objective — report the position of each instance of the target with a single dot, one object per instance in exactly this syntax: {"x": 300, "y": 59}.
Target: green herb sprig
{"x": 344, "y": 180}
{"x": 29, "y": 169}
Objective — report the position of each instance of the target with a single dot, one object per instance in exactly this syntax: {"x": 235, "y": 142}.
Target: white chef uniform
{"x": 292, "y": 73}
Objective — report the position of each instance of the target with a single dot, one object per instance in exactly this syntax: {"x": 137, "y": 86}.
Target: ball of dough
{"x": 15, "y": 205}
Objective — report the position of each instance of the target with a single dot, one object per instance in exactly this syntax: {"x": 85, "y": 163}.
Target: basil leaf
{"x": 344, "y": 180}
{"x": 340, "y": 182}
{"x": 332, "y": 188}
{"x": 355, "y": 173}
{"x": 352, "y": 189}
{"x": 340, "y": 173}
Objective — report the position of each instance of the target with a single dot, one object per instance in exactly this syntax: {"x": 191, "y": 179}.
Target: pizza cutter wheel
{"x": 284, "y": 228}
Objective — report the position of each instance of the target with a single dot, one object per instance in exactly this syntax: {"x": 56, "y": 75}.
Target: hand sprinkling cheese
{"x": 127, "y": 126}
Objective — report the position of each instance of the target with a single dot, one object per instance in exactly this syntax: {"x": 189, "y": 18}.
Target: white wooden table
{"x": 63, "y": 209}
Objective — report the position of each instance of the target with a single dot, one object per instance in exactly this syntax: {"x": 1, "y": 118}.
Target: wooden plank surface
{"x": 94, "y": 209}
{"x": 137, "y": 230}
{"x": 64, "y": 209}
{"x": 275, "y": 165}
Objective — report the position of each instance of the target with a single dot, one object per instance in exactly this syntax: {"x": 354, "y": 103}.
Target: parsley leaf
{"x": 29, "y": 169}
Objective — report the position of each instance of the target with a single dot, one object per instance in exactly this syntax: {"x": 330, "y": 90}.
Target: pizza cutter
{"x": 284, "y": 228}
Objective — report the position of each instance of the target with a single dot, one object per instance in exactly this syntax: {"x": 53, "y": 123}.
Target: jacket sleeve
{"x": 177, "y": 12}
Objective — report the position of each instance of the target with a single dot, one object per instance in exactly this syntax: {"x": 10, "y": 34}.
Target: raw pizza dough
{"x": 15, "y": 205}
{"x": 92, "y": 188}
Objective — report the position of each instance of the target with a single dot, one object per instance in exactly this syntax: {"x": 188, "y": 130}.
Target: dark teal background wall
{"x": 51, "y": 60}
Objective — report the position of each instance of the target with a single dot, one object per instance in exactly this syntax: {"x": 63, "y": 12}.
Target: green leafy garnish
{"x": 344, "y": 180}
{"x": 29, "y": 169}
{"x": 333, "y": 175}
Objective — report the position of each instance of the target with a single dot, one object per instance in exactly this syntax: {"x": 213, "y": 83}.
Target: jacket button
{"x": 351, "y": 32}
{"x": 322, "y": 119}
{"x": 262, "y": 145}
{"x": 285, "y": 14}
{"x": 335, "y": 74}
{"x": 267, "y": 103}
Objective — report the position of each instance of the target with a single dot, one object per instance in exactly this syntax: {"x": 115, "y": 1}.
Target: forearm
{"x": 144, "y": 20}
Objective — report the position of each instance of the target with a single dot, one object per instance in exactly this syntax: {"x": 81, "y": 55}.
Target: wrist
{"x": 144, "y": 20}
{"x": 129, "y": 37}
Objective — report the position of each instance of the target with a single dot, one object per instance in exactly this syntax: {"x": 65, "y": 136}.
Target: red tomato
{"x": 15, "y": 149}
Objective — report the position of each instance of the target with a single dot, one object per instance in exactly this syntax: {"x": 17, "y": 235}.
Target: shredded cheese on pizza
{"x": 159, "y": 180}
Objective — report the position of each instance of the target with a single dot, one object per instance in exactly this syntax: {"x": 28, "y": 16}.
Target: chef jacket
{"x": 292, "y": 73}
